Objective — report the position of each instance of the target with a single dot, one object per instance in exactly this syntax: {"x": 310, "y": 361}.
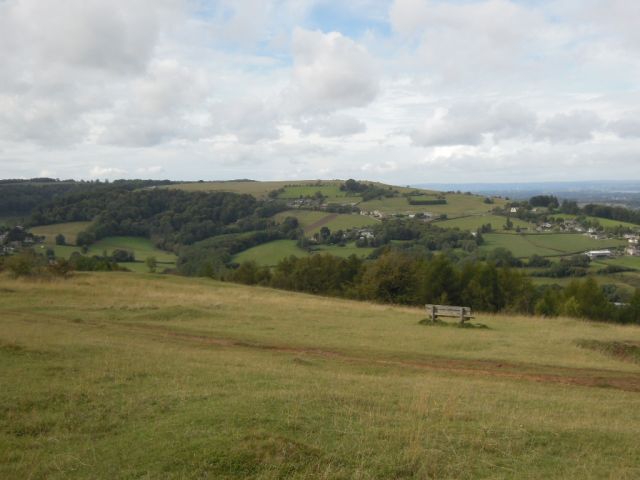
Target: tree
{"x": 60, "y": 239}
{"x": 151, "y": 264}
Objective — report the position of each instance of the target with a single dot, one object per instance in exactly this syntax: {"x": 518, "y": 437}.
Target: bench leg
{"x": 433, "y": 314}
{"x": 462, "y": 319}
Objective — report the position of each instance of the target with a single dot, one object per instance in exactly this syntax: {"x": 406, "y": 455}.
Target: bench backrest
{"x": 449, "y": 311}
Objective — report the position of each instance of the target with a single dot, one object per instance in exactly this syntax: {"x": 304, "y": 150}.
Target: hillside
{"x": 133, "y": 375}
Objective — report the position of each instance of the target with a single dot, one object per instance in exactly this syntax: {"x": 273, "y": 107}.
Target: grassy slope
{"x": 141, "y": 247}
{"x": 605, "y": 222}
{"x": 312, "y": 221}
{"x": 474, "y": 222}
{"x": 69, "y": 230}
{"x": 269, "y": 254}
{"x": 258, "y": 189}
{"x": 547, "y": 244}
{"x": 458, "y": 205}
{"x": 124, "y": 375}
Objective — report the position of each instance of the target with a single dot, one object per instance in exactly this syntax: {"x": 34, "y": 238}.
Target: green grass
{"x": 312, "y": 221}
{"x": 331, "y": 190}
{"x": 269, "y": 254}
{"x": 257, "y": 189}
{"x": 546, "y": 244}
{"x": 346, "y": 251}
{"x": 458, "y": 205}
{"x": 474, "y": 222}
{"x": 605, "y": 222}
{"x": 630, "y": 262}
{"x": 141, "y": 247}
{"x": 70, "y": 230}
{"x": 148, "y": 376}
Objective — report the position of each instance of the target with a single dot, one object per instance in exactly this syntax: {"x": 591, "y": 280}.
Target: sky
{"x": 400, "y": 91}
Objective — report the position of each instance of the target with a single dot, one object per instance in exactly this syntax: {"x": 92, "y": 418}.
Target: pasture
{"x": 458, "y": 205}
{"x": 546, "y": 244}
{"x": 474, "y": 222}
{"x": 129, "y": 375}
{"x": 257, "y": 189}
{"x": 141, "y": 247}
{"x": 269, "y": 254}
{"x": 70, "y": 230}
{"x": 605, "y": 222}
{"x": 312, "y": 221}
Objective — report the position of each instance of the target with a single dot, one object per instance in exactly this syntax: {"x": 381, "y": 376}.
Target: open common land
{"x": 130, "y": 375}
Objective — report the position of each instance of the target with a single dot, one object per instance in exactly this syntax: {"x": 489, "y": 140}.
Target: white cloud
{"x": 470, "y": 124}
{"x": 331, "y": 72}
{"x": 337, "y": 125}
{"x": 627, "y": 126}
{"x": 106, "y": 172}
{"x": 574, "y": 127}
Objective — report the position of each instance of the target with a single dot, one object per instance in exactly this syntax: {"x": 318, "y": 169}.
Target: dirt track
{"x": 320, "y": 223}
{"x": 518, "y": 371}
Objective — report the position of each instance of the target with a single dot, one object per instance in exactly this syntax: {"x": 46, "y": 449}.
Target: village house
{"x": 633, "y": 249}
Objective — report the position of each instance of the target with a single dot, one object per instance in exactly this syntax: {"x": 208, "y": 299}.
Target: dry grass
{"x": 125, "y": 375}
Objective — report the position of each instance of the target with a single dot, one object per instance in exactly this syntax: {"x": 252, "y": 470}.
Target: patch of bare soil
{"x": 518, "y": 371}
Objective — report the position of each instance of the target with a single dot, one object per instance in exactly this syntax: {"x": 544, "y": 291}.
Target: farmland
{"x": 457, "y": 205}
{"x": 269, "y": 254}
{"x": 129, "y": 375}
{"x": 474, "y": 222}
{"x": 549, "y": 244}
{"x": 69, "y": 230}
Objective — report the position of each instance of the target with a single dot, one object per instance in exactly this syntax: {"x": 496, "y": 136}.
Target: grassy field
{"x": 547, "y": 244}
{"x": 141, "y": 247}
{"x": 605, "y": 222}
{"x": 257, "y": 189}
{"x": 269, "y": 254}
{"x": 330, "y": 190}
{"x": 474, "y": 222}
{"x": 458, "y": 205}
{"x": 346, "y": 251}
{"x": 69, "y": 230}
{"x": 147, "y": 376}
{"x": 313, "y": 221}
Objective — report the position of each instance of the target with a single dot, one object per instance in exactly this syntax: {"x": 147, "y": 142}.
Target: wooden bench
{"x": 462, "y": 313}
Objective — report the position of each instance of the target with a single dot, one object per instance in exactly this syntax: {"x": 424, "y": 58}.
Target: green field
{"x": 122, "y": 375}
{"x": 269, "y": 254}
{"x": 69, "y": 230}
{"x": 141, "y": 247}
{"x": 346, "y": 251}
{"x": 312, "y": 220}
{"x": 257, "y": 189}
{"x": 458, "y": 205}
{"x": 331, "y": 190}
{"x": 473, "y": 223}
{"x": 546, "y": 244}
{"x": 630, "y": 262}
{"x": 605, "y": 222}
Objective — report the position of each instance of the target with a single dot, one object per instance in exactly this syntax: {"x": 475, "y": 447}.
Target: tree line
{"x": 402, "y": 278}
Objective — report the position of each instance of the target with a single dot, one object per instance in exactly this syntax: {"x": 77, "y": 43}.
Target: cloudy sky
{"x": 404, "y": 91}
